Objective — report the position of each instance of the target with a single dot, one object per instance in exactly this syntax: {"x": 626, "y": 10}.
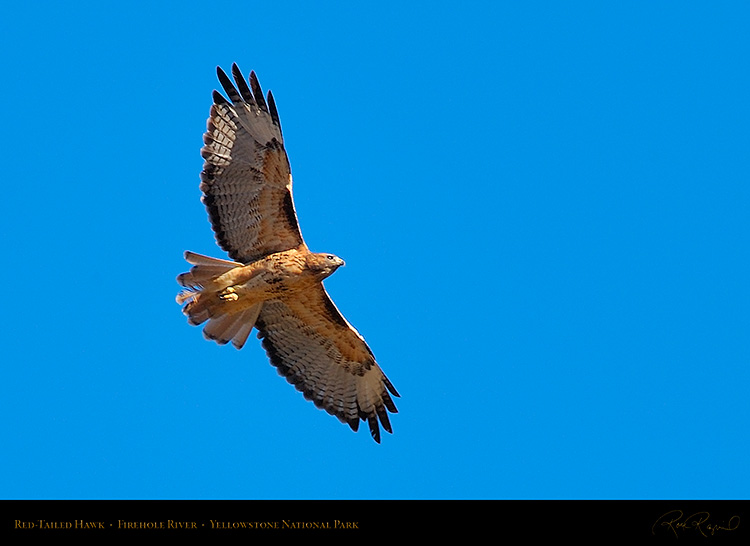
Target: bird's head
{"x": 324, "y": 264}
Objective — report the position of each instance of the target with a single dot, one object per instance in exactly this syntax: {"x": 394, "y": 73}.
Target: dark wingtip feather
{"x": 223, "y": 78}
{"x": 219, "y": 98}
{"x": 258, "y": 92}
{"x": 247, "y": 95}
{"x": 228, "y": 86}
{"x": 383, "y": 415}
{"x": 390, "y": 387}
{"x": 273, "y": 111}
{"x": 372, "y": 421}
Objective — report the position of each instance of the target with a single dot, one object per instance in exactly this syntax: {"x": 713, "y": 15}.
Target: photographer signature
{"x": 698, "y": 521}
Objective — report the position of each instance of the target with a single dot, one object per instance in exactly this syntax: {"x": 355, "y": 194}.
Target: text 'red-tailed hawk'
{"x": 274, "y": 283}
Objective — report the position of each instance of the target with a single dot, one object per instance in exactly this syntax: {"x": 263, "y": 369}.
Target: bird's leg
{"x": 228, "y": 294}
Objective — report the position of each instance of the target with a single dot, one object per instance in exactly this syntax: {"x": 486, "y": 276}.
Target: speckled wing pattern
{"x": 246, "y": 183}
{"x": 324, "y": 357}
{"x": 246, "y": 179}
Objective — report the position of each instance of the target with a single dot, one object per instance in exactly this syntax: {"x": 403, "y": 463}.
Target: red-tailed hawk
{"x": 274, "y": 283}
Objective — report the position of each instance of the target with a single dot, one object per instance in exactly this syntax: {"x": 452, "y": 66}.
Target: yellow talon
{"x": 229, "y": 295}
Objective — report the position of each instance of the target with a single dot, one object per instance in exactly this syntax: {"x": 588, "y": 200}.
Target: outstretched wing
{"x": 322, "y": 355}
{"x": 246, "y": 179}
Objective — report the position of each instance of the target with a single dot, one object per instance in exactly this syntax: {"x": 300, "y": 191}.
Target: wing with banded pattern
{"x": 323, "y": 356}
{"x": 246, "y": 179}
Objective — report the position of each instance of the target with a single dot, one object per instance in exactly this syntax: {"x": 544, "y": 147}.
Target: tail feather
{"x": 198, "y": 309}
{"x": 221, "y": 329}
{"x": 204, "y": 269}
{"x": 242, "y": 334}
{"x": 201, "y": 305}
{"x": 235, "y": 328}
{"x": 193, "y": 258}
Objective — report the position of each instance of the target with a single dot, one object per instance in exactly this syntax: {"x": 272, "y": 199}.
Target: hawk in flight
{"x": 274, "y": 283}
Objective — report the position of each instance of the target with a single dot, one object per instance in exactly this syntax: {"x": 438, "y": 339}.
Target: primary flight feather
{"x": 274, "y": 283}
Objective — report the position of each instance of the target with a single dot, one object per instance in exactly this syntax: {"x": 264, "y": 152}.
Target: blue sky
{"x": 543, "y": 208}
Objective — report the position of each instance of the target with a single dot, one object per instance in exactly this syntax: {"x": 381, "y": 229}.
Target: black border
{"x": 603, "y": 520}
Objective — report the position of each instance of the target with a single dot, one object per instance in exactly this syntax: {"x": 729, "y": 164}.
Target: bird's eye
{"x": 331, "y": 257}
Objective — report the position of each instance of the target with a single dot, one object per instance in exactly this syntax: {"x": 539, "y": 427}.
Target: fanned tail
{"x": 201, "y": 305}
{"x": 235, "y": 328}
